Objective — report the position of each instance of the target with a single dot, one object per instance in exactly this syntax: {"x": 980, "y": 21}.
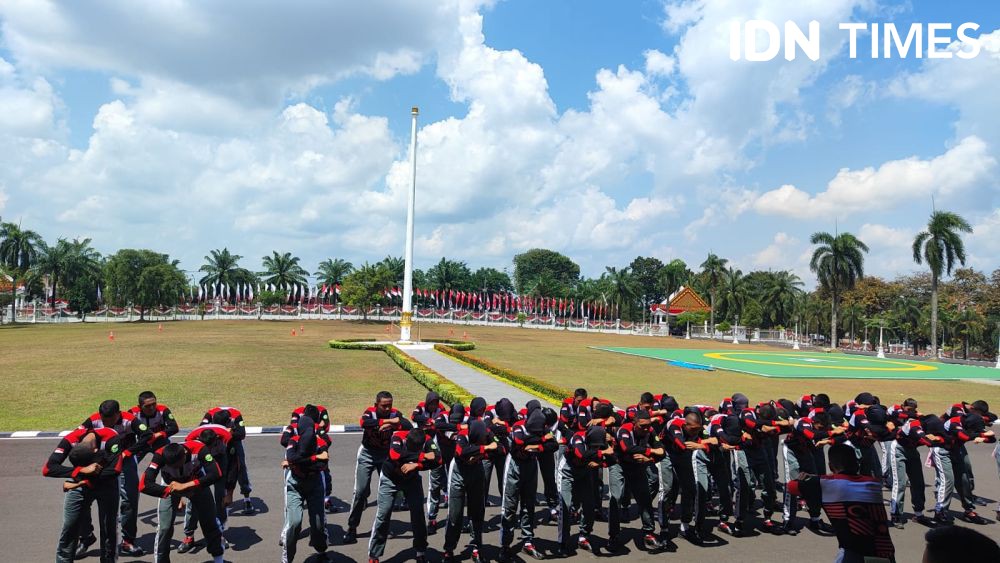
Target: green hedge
{"x": 449, "y": 392}
{"x": 459, "y": 345}
{"x": 546, "y": 390}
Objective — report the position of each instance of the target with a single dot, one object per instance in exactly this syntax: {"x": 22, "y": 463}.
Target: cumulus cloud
{"x": 968, "y": 165}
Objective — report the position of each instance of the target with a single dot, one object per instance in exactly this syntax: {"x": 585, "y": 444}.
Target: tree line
{"x": 946, "y": 305}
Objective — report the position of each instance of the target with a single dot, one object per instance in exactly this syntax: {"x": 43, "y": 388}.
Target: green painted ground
{"x": 814, "y": 365}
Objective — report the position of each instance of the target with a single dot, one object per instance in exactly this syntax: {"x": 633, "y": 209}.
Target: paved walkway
{"x": 474, "y": 381}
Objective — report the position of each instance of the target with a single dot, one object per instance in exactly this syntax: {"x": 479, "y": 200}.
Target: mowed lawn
{"x": 54, "y": 375}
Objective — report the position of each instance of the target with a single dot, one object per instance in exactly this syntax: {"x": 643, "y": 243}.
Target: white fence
{"x": 335, "y": 312}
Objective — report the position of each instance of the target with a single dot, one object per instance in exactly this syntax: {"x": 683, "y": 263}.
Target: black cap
{"x": 740, "y": 401}
{"x": 865, "y": 399}
{"x": 597, "y": 437}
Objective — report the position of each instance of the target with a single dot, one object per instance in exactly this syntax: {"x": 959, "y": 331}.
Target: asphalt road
{"x": 31, "y": 512}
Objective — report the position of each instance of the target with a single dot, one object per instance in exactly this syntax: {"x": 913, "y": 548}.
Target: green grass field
{"x": 813, "y": 365}
{"x": 55, "y": 375}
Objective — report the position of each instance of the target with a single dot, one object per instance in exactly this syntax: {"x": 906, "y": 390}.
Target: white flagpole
{"x": 406, "y": 321}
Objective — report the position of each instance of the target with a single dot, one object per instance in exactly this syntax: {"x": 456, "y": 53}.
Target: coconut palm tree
{"x": 18, "y": 253}
{"x": 67, "y": 261}
{"x": 905, "y": 314}
{"x": 969, "y": 325}
{"x": 940, "y": 246}
{"x": 781, "y": 295}
{"x": 853, "y": 316}
{"x": 332, "y": 272}
{"x": 838, "y": 263}
{"x": 449, "y": 275}
{"x": 222, "y": 268}
{"x": 734, "y": 293}
{"x": 713, "y": 268}
{"x": 623, "y": 290}
{"x": 283, "y": 270}
{"x": 397, "y": 267}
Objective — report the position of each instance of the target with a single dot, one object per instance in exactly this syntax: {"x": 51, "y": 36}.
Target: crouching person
{"x": 306, "y": 457}
{"x": 186, "y": 473}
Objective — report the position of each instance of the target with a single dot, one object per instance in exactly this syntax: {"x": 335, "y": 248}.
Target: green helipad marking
{"x": 814, "y": 365}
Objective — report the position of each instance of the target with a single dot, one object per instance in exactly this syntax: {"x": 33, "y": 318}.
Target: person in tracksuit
{"x": 221, "y": 445}
{"x": 410, "y": 452}
{"x": 424, "y": 416}
{"x": 949, "y": 467}
{"x": 156, "y": 426}
{"x": 378, "y": 424}
{"x": 95, "y": 456}
{"x": 906, "y": 464}
{"x": 237, "y": 426}
{"x": 548, "y": 463}
{"x": 685, "y": 440}
{"x": 799, "y": 456}
{"x": 465, "y": 483}
{"x": 585, "y": 451}
{"x": 723, "y": 462}
{"x": 529, "y": 438}
{"x": 665, "y": 406}
{"x": 500, "y": 417}
{"x": 759, "y": 423}
{"x": 603, "y": 415}
{"x": 321, "y": 418}
{"x": 307, "y": 457}
{"x": 110, "y": 415}
{"x": 638, "y": 447}
{"x": 186, "y": 471}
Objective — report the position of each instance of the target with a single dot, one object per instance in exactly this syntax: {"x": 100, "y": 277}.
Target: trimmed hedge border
{"x": 527, "y": 383}
{"x": 449, "y": 392}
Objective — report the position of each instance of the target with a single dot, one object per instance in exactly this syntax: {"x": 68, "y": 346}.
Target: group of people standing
{"x": 719, "y": 459}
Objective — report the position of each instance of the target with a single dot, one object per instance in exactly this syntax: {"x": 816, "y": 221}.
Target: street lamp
{"x": 881, "y": 350}
{"x": 736, "y": 330}
{"x": 796, "y": 345}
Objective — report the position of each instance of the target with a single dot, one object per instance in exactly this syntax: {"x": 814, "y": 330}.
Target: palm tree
{"x": 734, "y": 293}
{"x": 18, "y": 252}
{"x": 839, "y": 263}
{"x": 969, "y": 324}
{"x": 813, "y": 313}
{"x": 713, "y": 268}
{"x": 397, "y": 267}
{"x": 854, "y": 315}
{"x": 940, "y": 245}
{"x": 906, "y": 315}
{"x": 781, "y": 296}
{"x": 66, "y": 262}
{"x": 283, "y": 271}
{"x": 673, "y": 276}
{"x": 223, "y": 269}
{"x": 331, "y": 273}
{"x": 623, "y": 289}
{"x": 448, "y": 275}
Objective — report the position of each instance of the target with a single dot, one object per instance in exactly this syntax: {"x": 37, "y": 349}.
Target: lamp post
{"x": 881, "y": 350}
{"x": 735, "y": 330}
{"x": 406, "y": 319}
{"x": 796, "y": 345}
{"x": 998, "y": 346}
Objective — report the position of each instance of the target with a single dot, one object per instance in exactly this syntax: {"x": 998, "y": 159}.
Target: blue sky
{"x": 604, "y": 130}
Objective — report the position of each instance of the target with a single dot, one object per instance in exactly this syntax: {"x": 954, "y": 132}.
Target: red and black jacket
{"x": 579, "y": 454}
{"x": 124, "y": 427}
{"x": 471, "y": 455}
{"x": 424, "y": 418}
{"x": 520, "y": 439}
{"x": 322, "y": 425}
{"x": 236, "y": 424}
{"x": 400, "y": 455}
{"x": 306, "y": 465}
{"x": 628, "y": 444}
{"x": 199, "y": 466}
{"x": 110, "y": 457}
{"x": 155, "y": 431}
{"x": 224, "y": 451}
{"x": 911, "y": 434}
{"x": 379, "y": 440}
{"x": 803, "y": 436}
{"x": 567, "y": 412}
{"x": 674, "y": 437}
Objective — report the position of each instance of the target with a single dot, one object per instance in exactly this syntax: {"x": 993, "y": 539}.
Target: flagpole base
{"x": 405, "y": 323}
{"x": 881, "y": 353}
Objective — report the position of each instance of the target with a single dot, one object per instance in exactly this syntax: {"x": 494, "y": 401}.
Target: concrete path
{"x": 476, "y": 382}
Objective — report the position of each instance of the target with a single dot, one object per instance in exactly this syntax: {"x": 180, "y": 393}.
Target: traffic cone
{"x": 111, "y": 336}
{"x": 302, "y": 329}
{"x": 465, "y": 335}
{"x": 159, "y": 327}
{"x": 293, "y": 332}
{"x": 451, "y": 332}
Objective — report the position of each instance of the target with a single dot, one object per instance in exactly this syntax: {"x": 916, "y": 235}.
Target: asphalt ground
{"x": 31, "y": 512}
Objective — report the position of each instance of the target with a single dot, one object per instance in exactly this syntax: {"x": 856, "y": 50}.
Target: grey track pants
{"x": 304, "y": 494}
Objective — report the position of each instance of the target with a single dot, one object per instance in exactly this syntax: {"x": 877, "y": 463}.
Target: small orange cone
{"x": 465, "y": 335}
{"x": 302, "y": 329}
{"x": 159, "y": 327}
{"x": 451, "y": 332}
{"x": 293, "y": 332}
{"x": 111, "y": 336}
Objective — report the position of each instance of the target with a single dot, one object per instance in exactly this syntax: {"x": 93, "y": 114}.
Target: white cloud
{"x": 967, "y": 166}
{"x": 983, "y": 245}
{"x": 659, "y": 64}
